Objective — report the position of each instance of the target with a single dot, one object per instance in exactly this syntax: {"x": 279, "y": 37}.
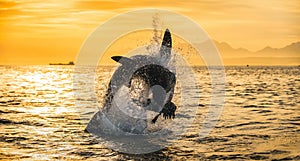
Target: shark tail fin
{"x": 166, "y": 46}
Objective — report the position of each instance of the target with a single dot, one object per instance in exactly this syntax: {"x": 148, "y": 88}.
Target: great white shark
{"x": 140, "y": 83}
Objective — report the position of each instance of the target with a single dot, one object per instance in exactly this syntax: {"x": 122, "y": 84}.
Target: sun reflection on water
{"x": 39, "y": 119}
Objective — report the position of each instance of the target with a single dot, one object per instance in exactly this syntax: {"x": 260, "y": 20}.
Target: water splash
{"x": 154, "y": 46}
{"x": 156, "y": 33}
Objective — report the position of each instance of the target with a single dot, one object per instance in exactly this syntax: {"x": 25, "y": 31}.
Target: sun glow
{"x": 43, "y": 32}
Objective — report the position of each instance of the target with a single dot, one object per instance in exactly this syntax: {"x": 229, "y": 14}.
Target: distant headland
{"x": 70, "y": 63}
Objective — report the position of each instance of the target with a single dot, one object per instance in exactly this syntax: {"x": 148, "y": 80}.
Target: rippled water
{"x": 39, "y": 118}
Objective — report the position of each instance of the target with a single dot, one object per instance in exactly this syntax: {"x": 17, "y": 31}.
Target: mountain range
{"x": 288, "y": 55}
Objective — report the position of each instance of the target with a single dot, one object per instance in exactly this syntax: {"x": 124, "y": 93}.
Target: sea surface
{"x": 42, "y": 117}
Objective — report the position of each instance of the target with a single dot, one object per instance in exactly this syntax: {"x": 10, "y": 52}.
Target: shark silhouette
{"x": 140, "y": 83}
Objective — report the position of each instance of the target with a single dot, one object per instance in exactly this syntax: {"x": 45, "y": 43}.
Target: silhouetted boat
{"x": 70, "y": 63}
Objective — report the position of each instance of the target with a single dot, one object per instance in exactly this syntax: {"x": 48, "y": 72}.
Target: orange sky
{"x": 43, "y": 31}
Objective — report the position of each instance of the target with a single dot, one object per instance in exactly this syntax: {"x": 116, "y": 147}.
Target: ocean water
{"x": 43, "y": 118}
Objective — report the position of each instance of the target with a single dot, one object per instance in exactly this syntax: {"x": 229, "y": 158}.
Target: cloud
{"x": 126, "y": 5}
